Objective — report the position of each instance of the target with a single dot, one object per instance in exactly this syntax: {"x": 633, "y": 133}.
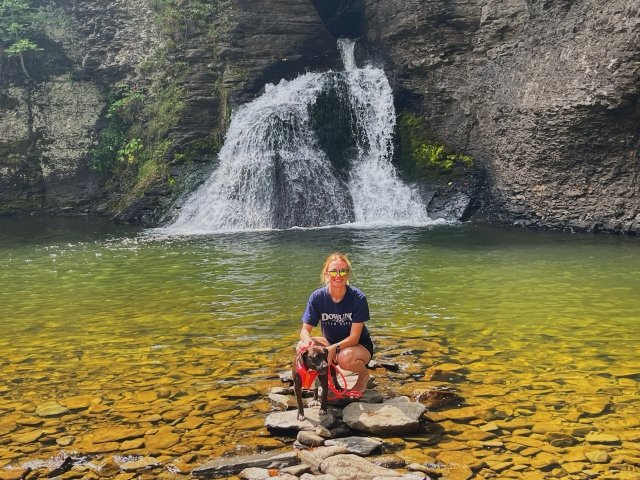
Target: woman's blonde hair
{"x": 332, "y": 258}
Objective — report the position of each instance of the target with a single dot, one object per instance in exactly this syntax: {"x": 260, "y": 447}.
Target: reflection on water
{"x": 142, "y": 330}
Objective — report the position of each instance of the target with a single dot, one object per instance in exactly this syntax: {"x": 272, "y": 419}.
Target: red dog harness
{"x": 308, "y": 376}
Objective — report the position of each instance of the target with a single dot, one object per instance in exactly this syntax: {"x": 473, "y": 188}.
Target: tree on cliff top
{"x": 18, "y": 21}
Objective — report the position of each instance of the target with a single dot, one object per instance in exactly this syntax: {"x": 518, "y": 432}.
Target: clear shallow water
{"x": 87, "y": 308}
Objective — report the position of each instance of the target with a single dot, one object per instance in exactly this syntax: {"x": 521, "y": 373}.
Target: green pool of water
{"x": 102, "y": 313}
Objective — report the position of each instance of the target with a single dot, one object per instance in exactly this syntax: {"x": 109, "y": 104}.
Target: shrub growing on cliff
{"x": 18, "y": 21}
{"x": 422, "y": 155}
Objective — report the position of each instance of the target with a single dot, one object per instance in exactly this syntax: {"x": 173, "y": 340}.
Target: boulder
{"x": 387, "y": 418}
{"x": 289, "y": 420}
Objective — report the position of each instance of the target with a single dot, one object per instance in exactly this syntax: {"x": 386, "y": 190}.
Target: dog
{"x": 310, "y": 363}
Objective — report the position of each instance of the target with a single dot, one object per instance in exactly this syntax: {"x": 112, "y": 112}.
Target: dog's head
{"x": 315, "y": 358}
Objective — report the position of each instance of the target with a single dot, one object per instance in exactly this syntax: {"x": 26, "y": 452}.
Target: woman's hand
{"x": 332, "y": 353}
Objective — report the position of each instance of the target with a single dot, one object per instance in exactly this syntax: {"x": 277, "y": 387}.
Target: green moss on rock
{"x": 421, "y": 155}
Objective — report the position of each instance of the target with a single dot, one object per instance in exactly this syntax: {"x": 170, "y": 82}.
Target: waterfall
{"x": 272, "y": 172}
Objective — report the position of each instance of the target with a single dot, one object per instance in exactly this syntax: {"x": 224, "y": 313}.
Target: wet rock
{"x": 234, "y": 465}
{"x": 281, "y": 402}
{"x": 595, "y": 437}
{"x": 28, "y": 437}
{"x": 597, "y": 456}
{"x": 438, "y": 397}
{"x": 309, "y": 439}
{"x": 164, "y": 438}
{"x": 289, "y": 421}
{"x": 388, "y": 418}
{"x": 79, "y": 402}
{"x": 353, "y": 466}
{"x": 115, "y": 434}
{"x": 51, "y": 409}
{"x": 322, "y": 431}
{"x": 296, "y": 470}
{"x": 315, "y": 457}
{"x": 14, "y": 474}
{"x": 384, "y": 363}
{"x": 241, "y": 393}
{"x": 65, "y": 441}
{"x": 60, "y": 465}
{"x": 253, "y": 473}
{"x": 595, "y": 408}
{"x": 388, "y": 461}
{"x": 143, "y": 463}
{"x": 459, "y": 457}
{"x": 446, "y": 372}
{"x": 362, "y": 446}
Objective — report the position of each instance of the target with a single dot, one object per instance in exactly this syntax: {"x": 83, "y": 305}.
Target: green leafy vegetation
{"x": 17, "y": 19}
{"x": 422, "y": 155}
{"x": 135, "y": 147}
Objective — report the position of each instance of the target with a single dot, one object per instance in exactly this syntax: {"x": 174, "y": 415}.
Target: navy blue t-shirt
{"x": 336, "y": 318}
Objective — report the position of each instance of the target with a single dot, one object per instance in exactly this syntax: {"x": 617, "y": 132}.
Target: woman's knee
{"x": 354, "y": 356}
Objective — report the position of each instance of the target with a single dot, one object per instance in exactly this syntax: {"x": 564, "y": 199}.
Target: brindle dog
{"x": 315, "y": 359}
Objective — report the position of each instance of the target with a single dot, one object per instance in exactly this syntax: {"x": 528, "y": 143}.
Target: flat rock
{"x": 51, "y": 409}
{"x": 144, "y": 463}
{"x": 595, "y": 437}
{"x": 363, "y": 446}
{"x": 387, "y": 418}
{"x": 115, "y": 434}
{"x": 289, "y": 420}
{"x": 355, "y": 467}
{"x": 310, "y": 439}
{"x": 234, "y": 465}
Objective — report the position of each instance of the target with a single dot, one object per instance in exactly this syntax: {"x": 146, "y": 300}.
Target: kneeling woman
{"x": 341, "y": 310}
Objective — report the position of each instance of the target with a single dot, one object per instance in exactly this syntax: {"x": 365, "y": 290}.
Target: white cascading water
{"x": 273, "y": 174}
{"x": 379, "y": 196}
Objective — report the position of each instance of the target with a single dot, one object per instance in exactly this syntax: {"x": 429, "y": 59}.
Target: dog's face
{"x": 315, "y": 358}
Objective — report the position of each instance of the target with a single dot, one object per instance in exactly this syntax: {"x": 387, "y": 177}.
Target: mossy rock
{"x": 422, "y": 155}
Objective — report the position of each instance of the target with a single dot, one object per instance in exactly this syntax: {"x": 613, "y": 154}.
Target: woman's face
{"x": 337, "y": 273}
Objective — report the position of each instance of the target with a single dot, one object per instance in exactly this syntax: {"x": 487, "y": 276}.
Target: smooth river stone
{"x": 191, "y": 422}
{"x": 28, "y": 437}
{"x": 163, "y": 439}
{"x": 79, "y": 402}
{"x": 594, "y": 407}
{"x": 146, "y": 396}
{"x": 51, "y": 409}
{"x": 595, "y": 437}
{"x": 143, "y": 463}
{"x": 115, "y": 434}
{"x": 597, "y": 456}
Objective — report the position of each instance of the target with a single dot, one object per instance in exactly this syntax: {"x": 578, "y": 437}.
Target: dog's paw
{"x": 323, "y": 411}
{"x": 301, "y": 417}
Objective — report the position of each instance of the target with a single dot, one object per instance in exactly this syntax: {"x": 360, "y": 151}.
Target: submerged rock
{"x": 234, "y": 465}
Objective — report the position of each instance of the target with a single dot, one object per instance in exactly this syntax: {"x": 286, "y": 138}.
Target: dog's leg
{"x": 297, "y": 386}
{"x": 325, "y": 391}
{"x": 334, "y": 377}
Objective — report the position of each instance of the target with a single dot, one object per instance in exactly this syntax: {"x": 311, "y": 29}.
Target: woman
{"x": 342, "y": 310}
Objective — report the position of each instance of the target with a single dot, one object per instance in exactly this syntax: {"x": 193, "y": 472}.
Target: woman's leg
{"x": 355, "y": 360}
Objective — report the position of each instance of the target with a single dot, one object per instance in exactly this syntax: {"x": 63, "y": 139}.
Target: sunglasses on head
{"x": 343, "y": 272}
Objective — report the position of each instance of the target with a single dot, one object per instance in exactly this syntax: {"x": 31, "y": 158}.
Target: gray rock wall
{"x": 543, "y": 94}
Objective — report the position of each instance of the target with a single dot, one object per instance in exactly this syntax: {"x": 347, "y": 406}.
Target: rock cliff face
{"x": 544, "y": 95}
